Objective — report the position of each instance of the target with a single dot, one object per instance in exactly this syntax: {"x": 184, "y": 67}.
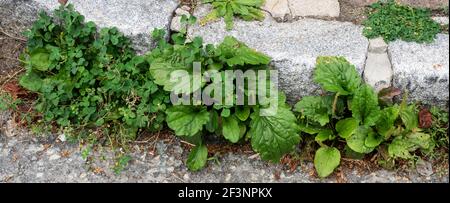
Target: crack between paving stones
{"x": 365, "y": 60}
{"x": 390, "y": 62}
{"x": 172, "y": 16}
{"x": 290, "y": 10}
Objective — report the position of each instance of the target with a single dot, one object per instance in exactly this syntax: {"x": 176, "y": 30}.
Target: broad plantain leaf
{"x": 365, "y": 106}
{"x": 234, "y": 52}
{"x": 31, "y": 81}
{"x": 242, "y": 130}
{"x": 400, "y": 148}
{"x": 347, "y": 127}
{"x": 187, "y": 120}
{"x": 324, "y": 135}
{"x": 409, "y": 117}
{"x": 162, "y": 73}
{"x": 273, "y": 136}
{"x": 197, "y": 158}
{"x": 245, "y": 9}
{"x": 213, "y": 123}
{"x": 40, "y": 59}
{"x": 309, "y": 128}
{"x": 230, "y": 129}
{"x": 326, "y": 160}
{"x": 242, "y": 112}
{"x": 356, "y": 142}
{"x": 421, "y": 140}
{"x": 373, "y": 140}
{"x": 336, "y": 74}
{"x": 314, "y": 109}
{"x": 385, "y": 125}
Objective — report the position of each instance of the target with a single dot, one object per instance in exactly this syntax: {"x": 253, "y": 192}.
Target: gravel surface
{"x": 27, "y": 158}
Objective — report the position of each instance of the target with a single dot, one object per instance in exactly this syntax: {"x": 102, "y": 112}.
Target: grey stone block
{"x": 422, "y": 69}
{"x": 293, "y": 46}
{"x": 135, "y": 18}
{"x": 378, "y": 71}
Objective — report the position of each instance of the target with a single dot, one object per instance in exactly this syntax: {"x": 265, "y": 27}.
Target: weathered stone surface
{"x": 361, "y": 2}
{"x": 441, "y": 20}
{"x": 433, "y": 4}
{"x": 325, "y": 8}
{"x": 17, "y": 15}
{"x": 175, "y": 25}
{"x": 378, "y": 71}
{"x": 279, "y": 9}
{"x": 135, "y": 18}
{"x": 424, "y": 168}
{"x": 283, "y": 10}
{"x": 377, "y": 45}
{"x": 422, "y": 69}
{"x": 293, "y": 46}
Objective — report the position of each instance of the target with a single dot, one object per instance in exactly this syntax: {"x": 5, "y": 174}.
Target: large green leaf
{"x": 326, "y": 160}
{"x": 357, "y": 141}
{"x": 213, "y": 123}
{"x": 234, "y": 52}
{"x": 373, "y": 140}
{"x": 273, "y": 136}
{"x": 365, "y": 105}
{"x": 421, "y": 140}
{"x": 314, "y": 109}
{"x": 230, "y": 129}
{"x": 197, "y": 158}
{"x": 187, "y": 120}
{"x": 40, "y": 59}
{"x": 162, "y": 73}
{"x": 336, "y": 74}
{"x": 242, "y": 112}
{"x": 400, "y": 148}
{"x": 385, "y": 125}
{"x": 31, "y": 81}
{"x": 245, "y": 9}
{"x": 409, "y": 117}
{"x": 253, "y": 3}
{"x": 347, "y": 127}
{"x": 324, "y": 135}
{"x": 309, "y": 128}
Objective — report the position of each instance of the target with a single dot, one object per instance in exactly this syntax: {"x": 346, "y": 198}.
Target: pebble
{"x": 186, "y": 177}
{"x": 424, "y": 168}
{"x": 62, "y": 138}
{"x": 228, "y": 177}
{"x": 54, "y": 157}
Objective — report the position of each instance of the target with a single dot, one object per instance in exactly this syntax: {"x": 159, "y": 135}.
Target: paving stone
{"x": 135, "y": 18}
{"x": 422, "y": 69}
{"x": 377, "y": 45}
{"x": 433, "y": 4}
{"x": 378, "y": 71}
{"x": 284, "y": 10}
{"x": 293, "y": 46}
{"x": 175, "y": 25}
{"x": 321, "y": 8}
{"x": 279, "y": 9}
